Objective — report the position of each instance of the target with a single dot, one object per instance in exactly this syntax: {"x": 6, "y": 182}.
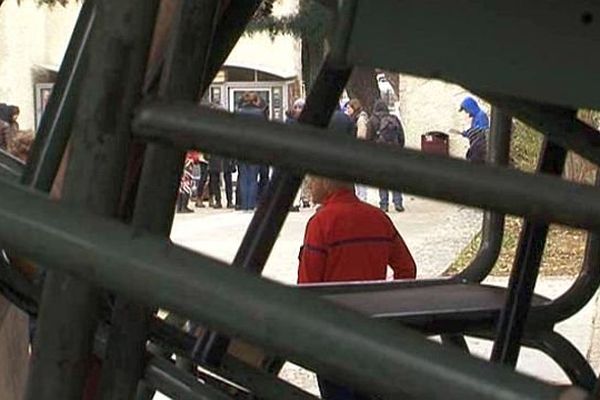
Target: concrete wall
{"x": 30, "y": 36}
{"x": 280, "y": 55}
{"x": 432, "y": 105}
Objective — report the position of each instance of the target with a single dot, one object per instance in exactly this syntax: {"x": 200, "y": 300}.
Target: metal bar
{"x": 117, "y": 53}
{"x": 283, "y": 320}
{"x": 17, "y": 289}
{"x": 559, "y": 124}
{"x": 270, "y": 215}
{"x": 521, "y": 285}
{"x": 456, "y": 340}
{"x": 56, "y": 124}
{"x": 259, "y": 382}
{"x": 566, "y": 355}
{"x": 183, "y": 78}
{"x": 172, "y": 381}
{"x": 230, "y": 29}
{"x": 191, "y": 39}
{"x": 584, "y": 287}
{"x": 302, "y": 148}
{"x": 536, "y": 45}
{"x": 492, "y": 230}
{"x": 10, "y": 166}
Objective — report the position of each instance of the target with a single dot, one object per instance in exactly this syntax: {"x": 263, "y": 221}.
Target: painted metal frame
{"x": 84, "y": 249}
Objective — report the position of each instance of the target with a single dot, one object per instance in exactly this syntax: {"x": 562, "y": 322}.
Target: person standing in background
{"x": 8, "y": 124}
{"x": 480, "y": 125}
{"x": 384, "y": 127}
{"x": 249, "y": 173}
{"x": 360, "y": 117}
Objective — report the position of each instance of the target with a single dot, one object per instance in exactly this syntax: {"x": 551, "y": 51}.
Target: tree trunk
{"x": 363, "y": 86}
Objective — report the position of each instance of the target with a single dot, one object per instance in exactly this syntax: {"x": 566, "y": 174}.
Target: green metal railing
{"x": 109, "y": 233}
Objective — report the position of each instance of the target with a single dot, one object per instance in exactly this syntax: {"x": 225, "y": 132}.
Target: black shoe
{"x": 187, "y": 210}
{"x": 294, "y": 208}
{"x": 399, "y": 208}
{"x": 200, "y": 204}
{"x": 217, "y": 205}
{"x": 384, "y": 209}
{"x": 229, "y": 205}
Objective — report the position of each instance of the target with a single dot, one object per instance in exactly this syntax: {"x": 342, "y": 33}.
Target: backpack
{"x": 390, "y": 130}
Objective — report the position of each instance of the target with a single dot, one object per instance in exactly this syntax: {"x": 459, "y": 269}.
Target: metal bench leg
{"x": 456, "y": 341}
{"x": 492, "y": 230}
{"x": 570, "y": 360}
{"x": 525, "y": 270}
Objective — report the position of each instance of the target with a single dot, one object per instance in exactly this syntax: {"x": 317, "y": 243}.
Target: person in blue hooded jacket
{"x": 480, "y": 124}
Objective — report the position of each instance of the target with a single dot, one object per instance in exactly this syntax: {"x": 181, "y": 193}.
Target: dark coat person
{"x": 480, "y": 125}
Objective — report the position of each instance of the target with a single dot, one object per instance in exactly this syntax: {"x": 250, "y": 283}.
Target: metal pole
{"x": 270, "y": 215}
{"x": 492, "y": 230}
{"x": 10, "y": 166}
{"x": 182, "y": 73}
{"x": 55, "y": 127}
{"x": 301, "y": 148}
{"x": 584, "y": 287}
{"x": 532, "y": 240}
{"x": 559, "y": 124}
{"x": 184, "y": 77}
{"x": 394, "y": 361}
{"x": 117, "y": 54}
{"x": 170, "y": 380}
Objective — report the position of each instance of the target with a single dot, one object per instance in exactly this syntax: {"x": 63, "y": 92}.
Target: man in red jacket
{"x": 349, "y": 240}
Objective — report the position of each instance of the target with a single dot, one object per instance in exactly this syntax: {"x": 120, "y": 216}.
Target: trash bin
{"x": 435, "y": 143}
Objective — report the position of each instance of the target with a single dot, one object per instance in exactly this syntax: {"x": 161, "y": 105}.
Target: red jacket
{"x": 349, "y": 240}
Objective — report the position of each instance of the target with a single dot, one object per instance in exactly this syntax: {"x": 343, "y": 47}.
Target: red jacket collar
{"x": 340, "y": 196}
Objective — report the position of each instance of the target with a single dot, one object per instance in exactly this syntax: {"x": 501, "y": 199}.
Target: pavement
{"x": 435, "y": 232}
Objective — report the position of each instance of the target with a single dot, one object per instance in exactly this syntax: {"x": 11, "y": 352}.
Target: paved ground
{"x": 435, "y": 232}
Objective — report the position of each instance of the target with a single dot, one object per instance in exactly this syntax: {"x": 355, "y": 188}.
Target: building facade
{"x": 33, "y": 40}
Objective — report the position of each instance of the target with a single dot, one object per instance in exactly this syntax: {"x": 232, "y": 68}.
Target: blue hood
{"x": 470, "y": 106}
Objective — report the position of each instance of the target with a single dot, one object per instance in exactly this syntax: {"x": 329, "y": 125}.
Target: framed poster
{"x": 41, "y": 96}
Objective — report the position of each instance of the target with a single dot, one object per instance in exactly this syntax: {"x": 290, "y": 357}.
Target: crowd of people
{"x": 380, "y": 126}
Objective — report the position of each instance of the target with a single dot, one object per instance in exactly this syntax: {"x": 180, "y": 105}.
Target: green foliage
{"x": 50, "y": 3}
{"x": 310, "y": 23}
{"x": 525, "y": 147}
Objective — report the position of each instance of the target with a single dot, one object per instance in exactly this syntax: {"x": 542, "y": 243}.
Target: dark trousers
{"x": 214, "y": 182}
{"x": 384, "y": 198}
{"x": 248, "y": 183}
{"x": 333, "y": 391}
{"x": 202, "y": 181}
{"x": 263, "y": 180}
{"x": 182, "y": 201}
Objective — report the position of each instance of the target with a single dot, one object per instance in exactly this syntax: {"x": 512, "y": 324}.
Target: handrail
{"x": 151, "y": 270}
{"x": 301, "y": 148}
